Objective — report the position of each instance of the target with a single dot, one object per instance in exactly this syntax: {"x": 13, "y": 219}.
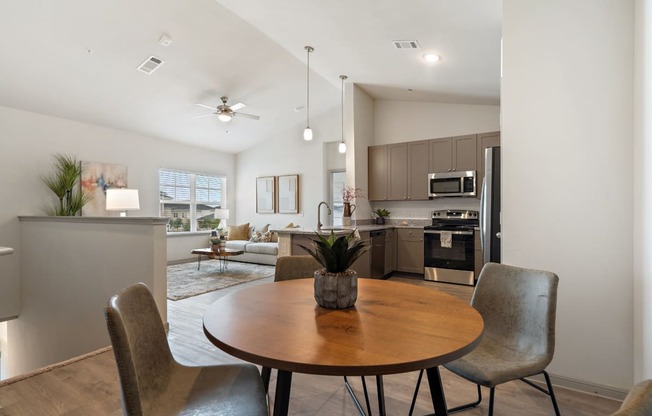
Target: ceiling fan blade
{"x": 247, "y": 116}
{"x": 205, "y": 106}
{"x": 238, "y": 106}
{"x": 204, "y": 115}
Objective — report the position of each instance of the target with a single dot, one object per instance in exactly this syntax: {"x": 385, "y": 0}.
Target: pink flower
{"x": 350, "y": 193}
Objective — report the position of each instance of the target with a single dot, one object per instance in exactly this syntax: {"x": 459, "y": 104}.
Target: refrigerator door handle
{"x": 483, "y": 211}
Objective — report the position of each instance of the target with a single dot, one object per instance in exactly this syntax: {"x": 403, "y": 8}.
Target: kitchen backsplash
{"x": 421, "y": 210}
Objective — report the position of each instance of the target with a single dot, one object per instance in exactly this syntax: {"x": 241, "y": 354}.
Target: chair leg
{"x": 416, "y": 393}
{"x": 472, "y": 404}
{"x": 550, "y": 392}
{"x": 492, "y": 392}
{"x": 450, "y": 411}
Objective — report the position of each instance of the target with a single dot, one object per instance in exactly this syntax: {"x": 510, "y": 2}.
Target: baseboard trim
{"x": 582, "y": 386}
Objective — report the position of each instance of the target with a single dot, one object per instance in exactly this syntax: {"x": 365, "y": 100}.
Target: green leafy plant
{"x": 382, "y": 212}
{"x": 336, "y": 254}
{"x": 63, "y": 181}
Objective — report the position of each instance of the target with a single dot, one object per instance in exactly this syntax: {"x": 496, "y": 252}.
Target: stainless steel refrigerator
{"x": 490, "y": 206}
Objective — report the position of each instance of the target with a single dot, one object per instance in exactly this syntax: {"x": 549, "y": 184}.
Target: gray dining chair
{"x": 295, "y": 267}
{"x": 638, "y": 402}
{"x": 518, "y": 307}
{"x": 153, "y": 383}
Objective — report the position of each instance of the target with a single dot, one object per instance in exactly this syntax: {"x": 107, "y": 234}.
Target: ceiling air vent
{"x": 406, "y": 44}
{"x": 150, "y": 64}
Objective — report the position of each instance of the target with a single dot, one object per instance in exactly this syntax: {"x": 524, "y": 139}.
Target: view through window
{"x": 190, "y": 199}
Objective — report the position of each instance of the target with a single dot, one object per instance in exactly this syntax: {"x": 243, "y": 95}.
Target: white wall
{"x": 28, "y": 142}
{"x": 567, "y": 173}
{"x": 403, "y": 121}
{"x": 643, "y": 191}
{"x": 360, "y": 127}
{"x": 285, "y": 152}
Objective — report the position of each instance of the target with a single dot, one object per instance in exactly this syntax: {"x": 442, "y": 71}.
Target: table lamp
{"x": 121, "y": 199}
{"x": 222, "y": 214}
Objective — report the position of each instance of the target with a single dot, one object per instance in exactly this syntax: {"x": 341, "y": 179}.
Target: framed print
{"x": 265, "y": 195}
{"x": 288, "y": 194}
{"x": 96, "y": 178}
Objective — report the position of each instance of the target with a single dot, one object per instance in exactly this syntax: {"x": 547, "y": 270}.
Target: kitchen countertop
{"x": 343, "y": 230}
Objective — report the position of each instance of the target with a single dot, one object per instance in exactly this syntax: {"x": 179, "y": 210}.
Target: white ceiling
{"x": 77, "y": 59}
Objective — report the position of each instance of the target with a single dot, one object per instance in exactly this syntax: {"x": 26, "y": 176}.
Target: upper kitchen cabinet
{"x": 398, "y": 172}
{"x": 418, "y": 170}
{"x": 398, "y": 165}
{"x": 453, "y": 154}
{"x": 378, "y": 173}
{"x": 485, "y": 140}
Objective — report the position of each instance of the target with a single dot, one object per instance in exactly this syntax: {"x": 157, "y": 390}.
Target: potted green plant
{"x": 64, "y": 183}
{"x": 336, "y": 286}
{"x": 381, "y": 214}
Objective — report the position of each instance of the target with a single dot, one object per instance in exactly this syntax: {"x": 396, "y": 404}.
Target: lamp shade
{"x": 222, "y": 214}
{"x": 122, "y": 200}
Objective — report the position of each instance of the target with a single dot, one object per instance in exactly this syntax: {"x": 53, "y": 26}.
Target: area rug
{"x": 184, "y": 280}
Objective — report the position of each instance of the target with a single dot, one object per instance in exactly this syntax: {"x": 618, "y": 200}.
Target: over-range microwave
{"x": 449, "y": 184}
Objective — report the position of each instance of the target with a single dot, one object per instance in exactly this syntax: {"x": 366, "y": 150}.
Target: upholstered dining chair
{"x": 153, "y": 383}
{"x": 638, "y": 402}
{"x": 295, "y": 267}
{"x": 518, "y": 307}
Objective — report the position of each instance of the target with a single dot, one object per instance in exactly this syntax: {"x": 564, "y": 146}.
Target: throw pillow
{"x": 238, "y": 232}
{"x": 259, "y": 237}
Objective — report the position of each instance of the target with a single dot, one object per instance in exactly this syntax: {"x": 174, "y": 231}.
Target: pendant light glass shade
{"x": 307, "y": 133}
{"x": 342, "y": 146}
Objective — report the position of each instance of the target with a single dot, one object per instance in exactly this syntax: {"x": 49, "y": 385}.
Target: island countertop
{"x": 342, "y": 230}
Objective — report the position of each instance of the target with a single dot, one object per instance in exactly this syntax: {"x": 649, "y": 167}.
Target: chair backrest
{"x": 638, "y": 402}
{"x": 518, "y": 306}
{"x": 295, "y": 267}
{"x": 140, "y": 346}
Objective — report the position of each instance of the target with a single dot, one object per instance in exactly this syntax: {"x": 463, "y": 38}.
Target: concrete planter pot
{"x": 336, "y": 290}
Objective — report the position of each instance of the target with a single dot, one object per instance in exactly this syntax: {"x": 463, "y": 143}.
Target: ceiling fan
{"x": 226, "y": 112}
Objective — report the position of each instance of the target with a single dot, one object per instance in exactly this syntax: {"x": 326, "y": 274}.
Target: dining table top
{"x": 393, "y": 328}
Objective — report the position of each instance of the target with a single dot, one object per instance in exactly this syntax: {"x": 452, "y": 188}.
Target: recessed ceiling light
{"x": 431, "y": 57}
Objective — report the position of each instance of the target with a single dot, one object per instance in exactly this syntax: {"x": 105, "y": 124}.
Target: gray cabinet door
{"x": 409, "y": 250}
{"x": 398, "y": 171}
{"x": 464, "y": 153}
{"x": 418, "y": 170}
{"x": 378, "y": 171}
{"x": 440, "y": 155}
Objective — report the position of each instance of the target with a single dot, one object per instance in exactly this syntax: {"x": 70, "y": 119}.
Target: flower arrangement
{"x": 350, "y": 193}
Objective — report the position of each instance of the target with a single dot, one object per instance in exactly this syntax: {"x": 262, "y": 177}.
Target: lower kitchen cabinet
{"x": 409, "y": 250}
{"x": 390, "y": 251}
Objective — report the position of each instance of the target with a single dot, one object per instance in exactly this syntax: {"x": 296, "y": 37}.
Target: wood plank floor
{"x": 90, "y": 386}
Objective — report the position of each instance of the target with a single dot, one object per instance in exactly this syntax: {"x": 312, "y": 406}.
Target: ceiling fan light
{"x": 342, "y": 147}
{"x": 307, "y": 134}
{"x": 224, "y": 117}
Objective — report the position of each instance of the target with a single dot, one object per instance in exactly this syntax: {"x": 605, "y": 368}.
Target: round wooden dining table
{"x": 393, "y": 328}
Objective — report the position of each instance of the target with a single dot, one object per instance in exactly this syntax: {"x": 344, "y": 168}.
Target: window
{"x": 337, "y": 183}
{"x": 190, "y": 199}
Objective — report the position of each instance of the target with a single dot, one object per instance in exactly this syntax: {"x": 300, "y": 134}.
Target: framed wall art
{"x": 96, "y": 178}
{"x": 288, "y": 194}
{"x": 265, "y": 195}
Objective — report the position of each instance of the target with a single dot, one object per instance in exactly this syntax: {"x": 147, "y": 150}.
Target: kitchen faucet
{"x": 319, "y": 224}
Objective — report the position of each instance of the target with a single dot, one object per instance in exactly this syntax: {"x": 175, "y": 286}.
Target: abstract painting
{"x": 96, "y": 179}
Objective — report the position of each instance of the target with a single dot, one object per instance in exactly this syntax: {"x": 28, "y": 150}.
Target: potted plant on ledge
{"x": 381, "y": 214}
{"x": 336, "y": 287}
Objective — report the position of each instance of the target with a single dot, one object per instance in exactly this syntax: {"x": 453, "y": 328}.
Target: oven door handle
{"x": 452, "y": 232}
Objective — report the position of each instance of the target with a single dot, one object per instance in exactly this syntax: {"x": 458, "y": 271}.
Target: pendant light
{"x": 307, "y": 133}
{"x": 342, "y": 146}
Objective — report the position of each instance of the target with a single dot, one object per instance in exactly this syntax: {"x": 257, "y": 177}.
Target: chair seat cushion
{"x": 234, "y": 389}
{"x": 491, "y": 364}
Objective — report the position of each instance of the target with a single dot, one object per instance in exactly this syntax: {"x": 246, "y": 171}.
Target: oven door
{"x": 453, "y": 264}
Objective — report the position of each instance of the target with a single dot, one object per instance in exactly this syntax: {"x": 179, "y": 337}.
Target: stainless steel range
{"x": 449, "y": 246}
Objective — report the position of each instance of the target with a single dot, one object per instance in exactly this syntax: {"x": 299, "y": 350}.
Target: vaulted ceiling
{"x": 77, "y": 59}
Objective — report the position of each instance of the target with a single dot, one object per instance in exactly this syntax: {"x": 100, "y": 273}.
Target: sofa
{"x": 258, "y": 243}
